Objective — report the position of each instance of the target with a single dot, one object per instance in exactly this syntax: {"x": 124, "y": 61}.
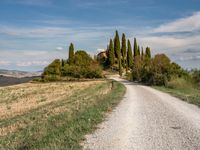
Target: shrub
{"x": 82, "y": 58}
{"x": 179, "y": 83}
{"x": 53, "y": 71}
{"x": 157, "y": 71}
{"x": 196, "y": 76}
{"x": 83, "y": 67}
{"x": 91, "y": 71}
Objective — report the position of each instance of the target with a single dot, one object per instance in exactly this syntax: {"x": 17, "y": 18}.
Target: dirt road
{"x": 148, "y": 119}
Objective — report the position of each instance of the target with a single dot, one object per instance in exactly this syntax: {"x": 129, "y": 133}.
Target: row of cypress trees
{"x": 122, "y": 54}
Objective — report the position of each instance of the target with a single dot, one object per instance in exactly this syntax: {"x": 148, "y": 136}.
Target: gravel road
{"x": 148, "y": 119}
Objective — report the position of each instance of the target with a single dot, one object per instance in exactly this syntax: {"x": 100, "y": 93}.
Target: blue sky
{"x": 34, "y": 32}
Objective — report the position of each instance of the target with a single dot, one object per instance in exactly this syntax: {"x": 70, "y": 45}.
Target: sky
{"x": 35, "y": 32}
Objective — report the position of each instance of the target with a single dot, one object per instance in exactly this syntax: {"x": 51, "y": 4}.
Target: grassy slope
{"x": 65, "y": 129}
{"x": 186, "y": 93}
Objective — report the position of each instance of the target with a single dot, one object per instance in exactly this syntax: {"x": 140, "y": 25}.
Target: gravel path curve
{"x": 148, "y": 119}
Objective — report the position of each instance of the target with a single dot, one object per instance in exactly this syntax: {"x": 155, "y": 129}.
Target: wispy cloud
{"x": 96, "y": 3}
{"x": 181, "y": 33}
{"x": 187, "y": 24}
{"x": 26, "y": 60}
{"x": 4, "y": 63}
{"x": 179, "y": 39}
{"x": 54, "y": 22}
{"x": 32, "y": 63}
{"x": 59, "y": 48}
{"x": 53, "y": 37}
{"x": 30, "y": 2}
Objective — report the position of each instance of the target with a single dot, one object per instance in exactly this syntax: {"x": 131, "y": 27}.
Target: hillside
{"x": 18, "y": 74}
{"x": 12, "y": 77}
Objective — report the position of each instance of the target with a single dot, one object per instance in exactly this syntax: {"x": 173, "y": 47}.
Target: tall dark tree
{"x": 71, "y": 54}
{"x": 62, "y": 63}
{"x": 111, "y": 53}
{"x": 148, "y": 52}
{"x": 123, "y": 50}
{"x": 117, "y": 45}
{"x": 135, "y": 49}
{"x": 118, "y": 51}
{"x": 142, "y": 54}
{"x": 129, "y": 55}
{"x": 138, "y": 50}
{"x": 120, "y": 68}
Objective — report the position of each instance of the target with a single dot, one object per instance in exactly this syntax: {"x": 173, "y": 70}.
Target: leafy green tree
{"x": 146, "y": 69}
{"x": 84, "y": 67}
{"x": 123, "y": 50}
{"x": 129, "y": 55}
{"x": 53, "y": 71}
{"x": 82, "y": 58}
{"x": 111, "y": 53}
{"x": 160, "y": 70}
{"x": 196, "y": 77}
{"x": 135, "y": 49}
{"x": 71, "y": 54}
{"x": 148, "y": 53}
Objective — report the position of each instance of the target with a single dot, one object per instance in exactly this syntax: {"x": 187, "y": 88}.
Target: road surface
{"x": 148, "y": 119}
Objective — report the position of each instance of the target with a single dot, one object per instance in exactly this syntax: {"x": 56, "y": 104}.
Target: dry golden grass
{"x": 54, "y": 115}
{"x": 21, "y": 99}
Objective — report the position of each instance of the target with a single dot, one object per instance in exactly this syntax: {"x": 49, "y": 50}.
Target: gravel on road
{"x": 147, "y": 119}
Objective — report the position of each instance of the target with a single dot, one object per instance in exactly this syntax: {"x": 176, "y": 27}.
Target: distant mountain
{"x": 18, "y": 74}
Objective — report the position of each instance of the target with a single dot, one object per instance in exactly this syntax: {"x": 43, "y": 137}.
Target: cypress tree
{"x": 117, "y": 45}
{"x": 135, "y": 48}
{"x": 148, "y": 52}
{"x": 142, "y": 55}
{"x": 111, "y": 53}
{"x": 118, "y": 51}
{"x": 71, "y": 54}
{"x": 129, "y": 55}
{"x": 63, "y": 63}
{"x": 123, "y": 50}
{"x": 138, "y": 50}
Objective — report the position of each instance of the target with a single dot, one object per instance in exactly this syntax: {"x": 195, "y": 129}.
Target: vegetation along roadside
{"x": 55, "y": 121}
{"x": 186, "y": 89}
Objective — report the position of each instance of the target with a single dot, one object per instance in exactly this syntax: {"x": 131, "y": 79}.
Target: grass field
{"x": 54, "y": 115}
{"x": 182, "y": 89}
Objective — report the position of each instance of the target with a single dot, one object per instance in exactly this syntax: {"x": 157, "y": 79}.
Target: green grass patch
{"x": 182, "y": 89}
{"x": 65, "y": 130}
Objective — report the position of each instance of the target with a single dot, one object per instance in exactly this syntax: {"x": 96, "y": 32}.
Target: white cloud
{"x": 78, "y": 33}
{"x": 160, "y": 41}
{"x": 30, "y": 2}
{"x": 92, "y": 37}
{"x": 170, "y": 43}
{"x": 27, "y": 60}
{"x": 4, "y": 63}
{"x": 186, "y": 58}
{"x": 31, "y": 63}
{"x": 186, "y": 24}
{"x": 95, "y": 4}
{"x": 59, "y": 48}
{"x": 100, "y": 50}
